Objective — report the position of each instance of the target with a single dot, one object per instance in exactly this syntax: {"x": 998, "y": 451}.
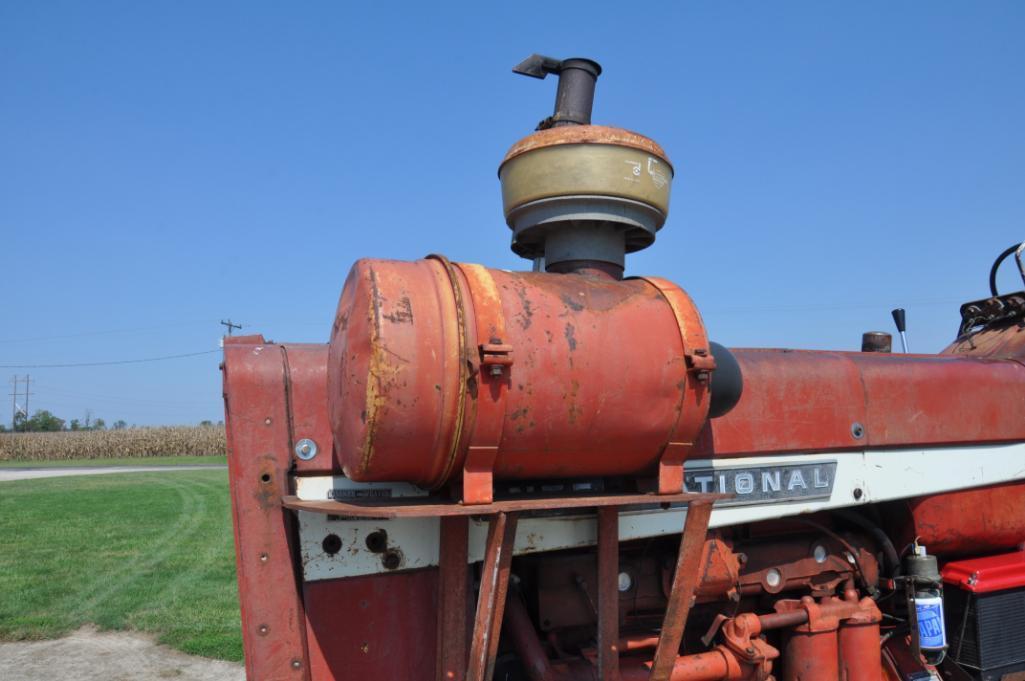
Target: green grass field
{"x": 124, "y": 461}
{"x": 143, "y": 551}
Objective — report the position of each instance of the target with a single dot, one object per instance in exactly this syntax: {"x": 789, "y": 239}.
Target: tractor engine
{"x": 555, "y": 474}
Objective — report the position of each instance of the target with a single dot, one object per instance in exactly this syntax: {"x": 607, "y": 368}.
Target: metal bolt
{"x": 306, "y": 449}
{"x": 264, "y": 557}
{"x": 857, "y": 493}
{"x": 857, "y": 430}
{"x": 819, "y": 553}
{"x": 496, "y": 369}
{"x": 773, "y": 578}
{"x": 263, "y": 629}
{"x": 625, "y": 581}
{"x": 296, "y": 664}
{"x": 266, "y": 421}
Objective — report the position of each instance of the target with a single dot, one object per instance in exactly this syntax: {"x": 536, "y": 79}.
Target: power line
{"x": 104, "y": 364}
{"x": 48, "y": 390}
{"x": 84, "y": 334}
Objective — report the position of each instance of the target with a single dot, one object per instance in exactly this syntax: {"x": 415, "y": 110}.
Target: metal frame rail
{"x": 454, "y": 661}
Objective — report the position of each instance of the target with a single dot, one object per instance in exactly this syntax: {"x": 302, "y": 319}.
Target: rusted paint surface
{"x": 394, "y": 371}
{"x": 492, "y": 383}
{"x": 586, "y": 394}
{"x": 306, "y": 374}
{"x": 586, "y": 134}
{"x": 1004, "y": 340}
{"x": 259, "y": 456}
{"x": 796, "y": 400}
{"x": 973, "y": 521}
{"x": 692, "y": 411}
{"x": 379, "y": 627}
{"x": 453, "y": 599}
{"x": 860, "y": 644}
{"x": 494, "y": 585}
{"x": 685, "y": 581}
{"x": 608, "y": 593}
{"x": 520, "y": 630}
{"x": 431, "y": 507}
{"x": 811, "y": 651}
{"x": 711, "y": 666}
{"x": 791, "y": 557}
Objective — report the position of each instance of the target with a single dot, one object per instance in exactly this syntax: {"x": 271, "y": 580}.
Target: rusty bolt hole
{"x": 377, "y": 541}
{"x": 391, "y": 559}
{"x": 332, "y": 544}
{"x": 265, "y": 477}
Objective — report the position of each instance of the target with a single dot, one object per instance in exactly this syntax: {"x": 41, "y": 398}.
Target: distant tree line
{"x": 44, "y": 421}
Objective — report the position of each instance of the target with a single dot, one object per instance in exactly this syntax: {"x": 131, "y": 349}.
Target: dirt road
{"x": 91, "y": 655}
{"x": 8, "y": 474}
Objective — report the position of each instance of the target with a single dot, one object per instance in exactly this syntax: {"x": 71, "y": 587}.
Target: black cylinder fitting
{"x": 727, "y": 382}
{"x": 574, "y": 99}
{"x": 876, "y": 341}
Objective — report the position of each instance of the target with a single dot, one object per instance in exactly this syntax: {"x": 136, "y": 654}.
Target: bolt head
{"x": 306, "y": 449}
{"x": 624, "y": 582}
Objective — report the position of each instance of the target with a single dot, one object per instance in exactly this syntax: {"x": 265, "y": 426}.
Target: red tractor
{"x": 554, "y": 475}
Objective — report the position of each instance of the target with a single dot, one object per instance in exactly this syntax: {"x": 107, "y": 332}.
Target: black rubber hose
{"x": 889, "y": 552}
{"x": 996, "y": 265}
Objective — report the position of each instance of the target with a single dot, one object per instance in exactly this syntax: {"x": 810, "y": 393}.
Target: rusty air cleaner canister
{"x": 435, "y": 367}
{"x": 594, "y": 381}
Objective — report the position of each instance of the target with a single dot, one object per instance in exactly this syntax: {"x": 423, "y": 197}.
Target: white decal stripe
{"x": 880, "y": 475}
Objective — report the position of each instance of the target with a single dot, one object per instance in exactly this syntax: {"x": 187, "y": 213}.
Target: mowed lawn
{"x": 151, "y": 552}
{"x": 123, "y": 461}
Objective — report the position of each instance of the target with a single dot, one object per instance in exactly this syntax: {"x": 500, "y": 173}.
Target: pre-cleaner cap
{"x": 575, "y": 191}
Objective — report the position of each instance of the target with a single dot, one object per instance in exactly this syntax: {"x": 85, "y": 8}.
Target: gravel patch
{"x": 9, "y": 474}
{"x": 92, "y": 655}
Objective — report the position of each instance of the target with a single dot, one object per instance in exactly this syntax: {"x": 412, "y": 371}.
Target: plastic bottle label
{"x": 931, "y": 632}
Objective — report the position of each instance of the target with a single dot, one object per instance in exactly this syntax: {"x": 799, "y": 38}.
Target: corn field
{"x": 103, "y": 444}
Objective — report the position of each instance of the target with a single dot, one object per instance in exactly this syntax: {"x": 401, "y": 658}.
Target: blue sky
{"x": 167, "y": 164}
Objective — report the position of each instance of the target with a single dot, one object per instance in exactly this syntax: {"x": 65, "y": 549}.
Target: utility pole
{"x": 14, "y": 403}
{"x": 231, "y": 325}
{"x": 14, "y": 399}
